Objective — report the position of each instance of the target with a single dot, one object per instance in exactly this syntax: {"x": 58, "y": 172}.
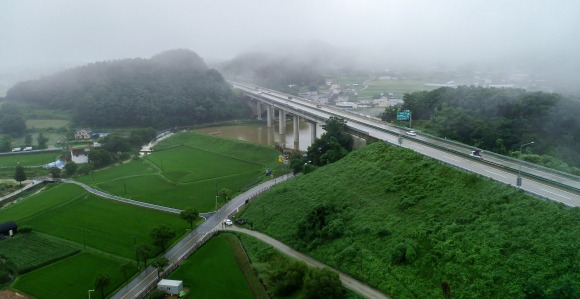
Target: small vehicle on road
{"x": 228, "y": 222}
{"x": 476, "y": 153}
{"x": 241, "y": 221}
{"x": 412, "y": 133}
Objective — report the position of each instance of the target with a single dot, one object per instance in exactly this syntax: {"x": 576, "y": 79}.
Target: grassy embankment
{"x": 405, "y": 223}
{"x": 186, "y": 169}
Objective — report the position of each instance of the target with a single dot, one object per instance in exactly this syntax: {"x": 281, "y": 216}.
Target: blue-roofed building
{"x": 58, "y": 164}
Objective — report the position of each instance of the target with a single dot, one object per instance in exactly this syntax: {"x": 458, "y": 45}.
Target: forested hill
{"x": 172, "y": 88}
{"x": 500, "y": 120}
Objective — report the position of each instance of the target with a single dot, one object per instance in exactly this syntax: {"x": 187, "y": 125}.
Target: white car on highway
{"x": 412, "y": 133}
{"x": 228, "y": 222}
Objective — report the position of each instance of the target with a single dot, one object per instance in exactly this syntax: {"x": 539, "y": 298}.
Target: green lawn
{"x": 72, "y": 277}
{"x": 28, "y": 159}
{"x": 212, "y": 272}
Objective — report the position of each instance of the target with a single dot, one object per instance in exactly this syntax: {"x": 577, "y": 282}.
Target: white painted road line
{"x": 495, "y": 173}
{"x": 447, "y": 157}
{"x": 555, "y": 194}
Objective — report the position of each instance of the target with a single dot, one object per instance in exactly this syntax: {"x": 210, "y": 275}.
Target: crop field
{"x": 211, "y": 268}
{"x": 46, "y": 123}
{"x": 72, "y": 277}
{"x": 183, "y": 176}
{"x": 68, "y": 212}
{"x": 245, "y": 151}
{"x": 115, "y": 172}
{"x": 29, "y": 251}
{"x": 28, "y": 159}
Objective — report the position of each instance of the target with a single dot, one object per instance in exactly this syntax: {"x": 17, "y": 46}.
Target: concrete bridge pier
{"x": 259, "y": 109}
{"x": 269, "y": 115}
{"x": 312, "y": 132}
{"x": 296, "y": 122}
{"x": 282, "y": 122}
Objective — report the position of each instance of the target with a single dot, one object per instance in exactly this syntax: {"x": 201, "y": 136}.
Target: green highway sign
{"x": 404, "y": 115}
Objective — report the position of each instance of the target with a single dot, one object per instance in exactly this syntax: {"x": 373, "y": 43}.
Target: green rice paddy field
{"x": 67, "y": 212}
{"x": 213, "y": 257}
{"x": 186, "y": 170}
{"x": 104, "y": 231}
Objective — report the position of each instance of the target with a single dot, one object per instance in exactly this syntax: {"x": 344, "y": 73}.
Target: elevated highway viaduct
{"x": 539, "y": 181}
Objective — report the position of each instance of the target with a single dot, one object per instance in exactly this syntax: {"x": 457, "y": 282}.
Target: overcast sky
{"x": 419, "y": 33}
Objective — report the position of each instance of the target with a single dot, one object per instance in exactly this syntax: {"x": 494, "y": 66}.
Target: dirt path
{"x": 348, "y": 281}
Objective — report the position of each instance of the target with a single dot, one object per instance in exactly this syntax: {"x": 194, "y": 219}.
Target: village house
{"x": 82, "y": 134}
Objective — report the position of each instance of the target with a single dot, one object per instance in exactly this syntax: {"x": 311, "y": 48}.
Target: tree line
{"x": 170, "y": 89}
{"x": 500, "y": 120}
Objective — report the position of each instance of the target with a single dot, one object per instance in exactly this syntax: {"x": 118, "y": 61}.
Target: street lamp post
{"x": 519, "y": 179}
{"x": 90, "y": 293}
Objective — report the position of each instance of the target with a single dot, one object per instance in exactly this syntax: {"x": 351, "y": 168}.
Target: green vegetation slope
{"x": 408, "y": 225}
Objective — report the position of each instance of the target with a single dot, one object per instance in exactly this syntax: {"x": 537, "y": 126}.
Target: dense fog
{"x": 523, "y": 36}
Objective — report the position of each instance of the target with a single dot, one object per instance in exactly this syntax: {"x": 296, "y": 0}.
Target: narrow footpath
{"x": 347, "y": 280}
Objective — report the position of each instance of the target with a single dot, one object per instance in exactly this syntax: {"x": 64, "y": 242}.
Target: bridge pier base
{"x": 296, "y": 122}
{"x": 259, "y": 109}
{"x": 312, "y": 132}
{"x": 269, "y": 115}
{"x": 282, "y": 122}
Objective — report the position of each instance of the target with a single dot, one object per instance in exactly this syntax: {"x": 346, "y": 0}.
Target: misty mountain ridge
{"x": 174, "y": 87}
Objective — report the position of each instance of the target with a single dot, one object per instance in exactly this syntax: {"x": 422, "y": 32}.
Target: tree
{"x": 226, "y": 194}
{"x": 127, "y": 268}
{"x": 100, "y": 157}
{"x": 334, "y": 139}
{"x": 70, "y": 168}
{"x": 19, "y": 174}
{"x": 13, "y": 125}
{"x": 144, "y": 252}
{"x": 161, "y": 235}
{"x": 28, "y": 140}
{"x": 5, "y": 143}
{"x": 85, "y": 168}
{"x": 190, "y": 215}
{"x": 160, "y": 264}
{"x": 322, "y": 283}
{"x": 101, "y": 282}
{"x": 288, "y": 278}
{"x": 55, "y": 173}
{"x": 41, "y": 141}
